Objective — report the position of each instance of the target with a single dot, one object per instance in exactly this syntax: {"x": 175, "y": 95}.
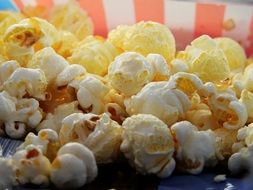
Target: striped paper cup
{"x": 186, "y": 19}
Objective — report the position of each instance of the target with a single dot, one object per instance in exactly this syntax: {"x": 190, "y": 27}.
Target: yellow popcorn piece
{"x": 65, "y": 43}
{"x": 148, "y": 145}
{"x": 206, "y": 59}
{"x": 234, "y": 53}
{"x": 72, "y": 18}
{"x": 95, "y": 54}
{"x": 27, "y": 36}
{"x": 7, "y": 19}
{"x": 144, "y": 38}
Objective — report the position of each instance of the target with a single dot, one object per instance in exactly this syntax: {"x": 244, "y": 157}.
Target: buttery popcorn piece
{"x": 94, "y": 54}
{"x": 32, "y": 166}
{"x": 47, "y": 140}
{"x": 144, "y": 38}
{"x": 54, "y": 120}
{"x": 71, "y": 17}
{"x": 148, "y": 145}
{"x": 160, "y": 100}
{"x": 234, "y": 53}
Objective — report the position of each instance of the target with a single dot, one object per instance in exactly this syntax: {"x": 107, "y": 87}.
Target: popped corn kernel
{"x": 148, "y": 145}
{"x": 160, "y": 100}
{"x": 144, "y": 38}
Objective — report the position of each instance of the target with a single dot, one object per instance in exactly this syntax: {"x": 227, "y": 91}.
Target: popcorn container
{"x": 186, "y": 19}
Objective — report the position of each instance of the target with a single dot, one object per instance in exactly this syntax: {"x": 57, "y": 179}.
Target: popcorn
{"x": 77, "y": 162}
{"x": 241, "y": 160}
{"x": 6, "y": 69}
{"x": 32, "y": 166}
{"x": 49, "y": 62}
{"x": 225, "y": 139}
{"x": 7, "y": 173}
{"x": 72, "y": 18}
{"x": 77, "y": 127}
{"x": 27, "y": 36}
{"x": 7, "y": 19}
{"x": 228, "y": 111}
{"x": 129, "y": 72}
{"x": 195, "y": 149}
{"x": 69, "y": 74}
{"x": 47, "y": 141}
{"x": 7, "y": 106}
{"x": 186, "y": 82}
{"x": 54, "y": 121}
{"x": 206, "y": 59}
{"x": 234, "y": 53}
{"x": 90, "y": 94}
{"x": 247, "y": 100}
{"x": 116, "y": 112}
{"x": 94, "y": 54}
{"x": 65, "y": 43}
{"x": 148, "y": 145}
{"x": 26, "y": 81}
{"x": 105, "y": 140}
{"x": 246, "y": 78}
{"x": 178, "y": 65}
{"x": 144, "y": 38}
{"x": 15, "y": 130}
{"x": 160, "y": 100}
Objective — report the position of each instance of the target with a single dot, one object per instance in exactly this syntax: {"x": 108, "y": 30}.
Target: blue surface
{"x": 205, "y": 181}
{"x": 7, "y": 5}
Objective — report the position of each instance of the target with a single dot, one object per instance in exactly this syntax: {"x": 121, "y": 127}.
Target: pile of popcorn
{"x": 80, "y": 100}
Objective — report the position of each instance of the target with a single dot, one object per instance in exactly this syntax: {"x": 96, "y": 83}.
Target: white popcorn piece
{"x": 228, "y": 110}
{"x": 77, "y": 127}
{"x": 7, "y": 173}
{"x": 220, "y": 178}
{"x": 225, "y": 139}
{"x": 129, "y": 72}
{"x": 160, "y": 100}
{"x": 160, "y": 66}
{"x": 247, "y": 78}
{"x": 32, "y": 166}
{"x": 74, "y": 166}
{"x": 195, "y": 149}
{"x": 69, "y": 74}
{"x": 49, "y": 62}
{"x": 178, "y": 65}
{"x": 6, "y": 69}
{"x": 26, "y": 81}
{"x": 47, "y": 140}
{"x": 105, "y": 140}
{"x": 28, "y": 111}
{"x": 241, "y": 161}
{"x": 148, "y": 145}
{"x": 15, "y": 130}
{"x": 245, "y": 135}
{"x": 7, "y": 106}
{"x": 91, "y": 94}
{"x": 54, "y": 121}
{"x": 247, "y": 99}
